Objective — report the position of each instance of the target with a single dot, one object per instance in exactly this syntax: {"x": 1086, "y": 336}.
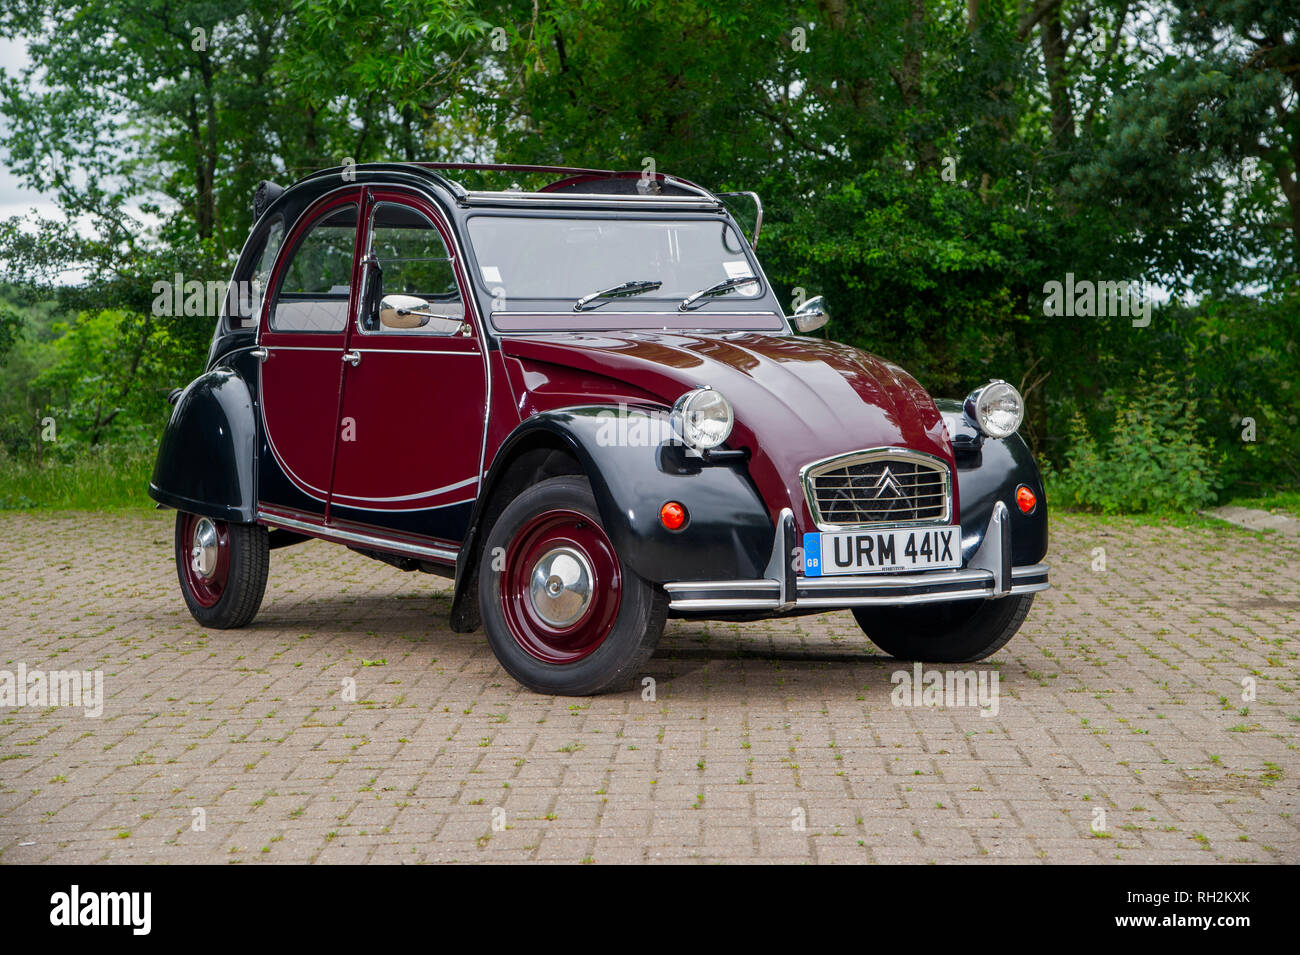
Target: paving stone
{"x": 770, "y": 742}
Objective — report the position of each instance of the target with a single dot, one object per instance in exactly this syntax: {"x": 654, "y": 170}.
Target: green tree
{"x": 1197, "y": 157}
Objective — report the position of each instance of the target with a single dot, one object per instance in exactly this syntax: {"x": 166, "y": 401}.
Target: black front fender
{"x": 729, "y": 532}
{"x": 207, "y": 456}
{"x": 991, "y": 474}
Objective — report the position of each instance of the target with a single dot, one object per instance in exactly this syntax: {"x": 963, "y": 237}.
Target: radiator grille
{"x": 879, "y": 488}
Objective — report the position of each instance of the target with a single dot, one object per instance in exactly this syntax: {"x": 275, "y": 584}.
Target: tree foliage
{"x": 928, "y": 165}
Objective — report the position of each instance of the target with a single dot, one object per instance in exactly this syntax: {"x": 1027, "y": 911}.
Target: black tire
{"x": 960, "y": 631}
{"x": 231, "y": 595}
{"x": 617, "y": 629}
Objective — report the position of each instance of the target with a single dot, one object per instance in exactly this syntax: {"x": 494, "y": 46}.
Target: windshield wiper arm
{"x": 624, "y": 290}
{"x": 721, "y": 288}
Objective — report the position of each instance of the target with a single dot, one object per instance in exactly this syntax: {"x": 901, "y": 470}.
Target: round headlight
{"x": 996, "y": 409}
{"x": 702, "y": 418}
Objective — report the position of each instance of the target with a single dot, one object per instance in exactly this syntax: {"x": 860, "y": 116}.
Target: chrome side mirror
{"x": 811, "y": 315}
{"x": 411, "y": 311}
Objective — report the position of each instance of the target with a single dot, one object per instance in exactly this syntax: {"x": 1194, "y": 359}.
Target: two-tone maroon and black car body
{"x": 496, "y": 430}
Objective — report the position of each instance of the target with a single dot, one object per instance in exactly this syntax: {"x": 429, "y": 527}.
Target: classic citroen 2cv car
{"x": 585, "y": 404}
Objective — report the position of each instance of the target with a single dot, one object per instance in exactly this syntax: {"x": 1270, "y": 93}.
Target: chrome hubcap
{"x": 203, "y": 550}
{"x": 560, "y": 586}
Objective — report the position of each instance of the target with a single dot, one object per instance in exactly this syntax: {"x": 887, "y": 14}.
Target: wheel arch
{"x": 536, "y": 450}
{"x": 207, "y": 456}
{"x": 728, "y": 536}
{"x": 991, "y": 473}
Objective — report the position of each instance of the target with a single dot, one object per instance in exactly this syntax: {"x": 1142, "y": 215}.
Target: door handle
{"x": 353, "y": 358}
{"x": 260, "y": 353}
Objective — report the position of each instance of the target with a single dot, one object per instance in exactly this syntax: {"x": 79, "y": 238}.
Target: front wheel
{"x": 562, "y": 613}
{"x": 961, "y": 631}
{"x": 222, "y": 569}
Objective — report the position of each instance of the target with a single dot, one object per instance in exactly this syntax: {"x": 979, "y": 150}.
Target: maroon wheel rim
{"x": 542, "y": 582}
{"x": 206, "y": 574}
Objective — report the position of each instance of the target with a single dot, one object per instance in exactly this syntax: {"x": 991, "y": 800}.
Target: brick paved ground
{"x": 1122, "y": 694}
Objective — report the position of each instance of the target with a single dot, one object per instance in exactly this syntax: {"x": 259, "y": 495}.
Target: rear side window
{"x": 244, "y": 297}
{"x": 314, "y": 291}
{"x": 262, "y": 274}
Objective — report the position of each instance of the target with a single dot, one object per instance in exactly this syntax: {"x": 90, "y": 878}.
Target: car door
{"x": 303, "y": 330}
{"x": 414, "y": 399}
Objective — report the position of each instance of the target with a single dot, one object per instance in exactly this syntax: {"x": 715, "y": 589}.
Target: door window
{"x": 314, "y": 289}
{"x": 411, "y": 280}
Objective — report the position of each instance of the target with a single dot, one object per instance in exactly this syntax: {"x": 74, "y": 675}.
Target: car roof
{"x": 569, "y": 179}
{"x": 572, "y": 186}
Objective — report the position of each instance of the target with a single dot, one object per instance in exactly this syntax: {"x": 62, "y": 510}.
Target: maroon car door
{"x": 304, "y": 329}
{"x": 414, "y": 399}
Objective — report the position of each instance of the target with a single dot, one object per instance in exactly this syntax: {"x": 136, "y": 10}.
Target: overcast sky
{"x": 14, "y": 199}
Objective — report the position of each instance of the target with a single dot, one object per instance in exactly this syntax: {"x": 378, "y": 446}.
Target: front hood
{"x": 797, "y": 400}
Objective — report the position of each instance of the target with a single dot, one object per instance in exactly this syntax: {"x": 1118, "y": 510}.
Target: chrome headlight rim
{"x": 979, "y": 409}
{"x": 685, "y": 416}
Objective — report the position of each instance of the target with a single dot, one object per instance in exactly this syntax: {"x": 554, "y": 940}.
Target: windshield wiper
{"x": 626, "y": 290}
{"x": 721, "y": 288}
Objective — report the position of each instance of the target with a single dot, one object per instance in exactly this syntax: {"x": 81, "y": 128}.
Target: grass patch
{"x": 1285, "y": 502}
{"x": 1191, "y": 520}
{"x": 103, "y": 478}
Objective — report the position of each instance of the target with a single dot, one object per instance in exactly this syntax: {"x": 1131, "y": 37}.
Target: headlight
{"x": 996, "y": 409}
{"x": 702, "y": 418}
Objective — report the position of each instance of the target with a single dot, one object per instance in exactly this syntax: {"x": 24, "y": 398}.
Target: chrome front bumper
{"x": 989, "y": 573}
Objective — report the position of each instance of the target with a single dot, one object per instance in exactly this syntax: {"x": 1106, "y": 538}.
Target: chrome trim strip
{"x": 721, "y": 585}
{"x": 412, "y": 351}
{"x": 872, "y": 590}
{"x": 1030, "y": 588}
{"x": 994, "y": 554}
{"x": 409, "y": 497}
{"x": 758, "y": 218}
{"x": 779, "y": 565}
{"x": 568, "y": 313}
{"x": 867, "y": 455}
{"x": 337, "y": 348}
{"x": 342, "y": 501}
{"x": 588, "y": 199}
{"x": 333, "y": 533}
{"x": 1030, "y": 570}
{"x": 723, "y": 604}
{"x": 868, "y": 600}
{"x": 891, "y": 581}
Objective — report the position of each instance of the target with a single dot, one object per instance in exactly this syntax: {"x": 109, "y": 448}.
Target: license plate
{"x": 881, "y": 550}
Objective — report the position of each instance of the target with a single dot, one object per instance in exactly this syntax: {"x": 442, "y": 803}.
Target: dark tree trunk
{"x": 1058, "y": 80}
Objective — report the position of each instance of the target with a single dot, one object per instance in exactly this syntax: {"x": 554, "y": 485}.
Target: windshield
{"x": 547, "y": 266}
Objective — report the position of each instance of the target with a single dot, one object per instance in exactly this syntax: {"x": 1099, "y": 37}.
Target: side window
{"x": 411, "y": 281}
{"x": 313, "y": 294}
{"x": 262, "y": 274}
{"x": 244, "y": 297}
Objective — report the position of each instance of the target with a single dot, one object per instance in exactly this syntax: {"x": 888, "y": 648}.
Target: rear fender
{"x": 207, "y": 456}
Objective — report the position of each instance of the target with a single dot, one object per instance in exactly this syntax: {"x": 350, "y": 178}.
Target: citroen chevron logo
{"x": 887, "y": 482}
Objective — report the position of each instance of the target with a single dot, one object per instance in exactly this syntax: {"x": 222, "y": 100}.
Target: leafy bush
{"x": 1244, "y": 363}
{"x": 1150, "y": 457}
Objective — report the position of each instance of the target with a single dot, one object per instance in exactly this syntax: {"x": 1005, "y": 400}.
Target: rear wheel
{"x": 562, "y": 613}
{"x": 222, "y": 569}
{"x": 961, "y": 631}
